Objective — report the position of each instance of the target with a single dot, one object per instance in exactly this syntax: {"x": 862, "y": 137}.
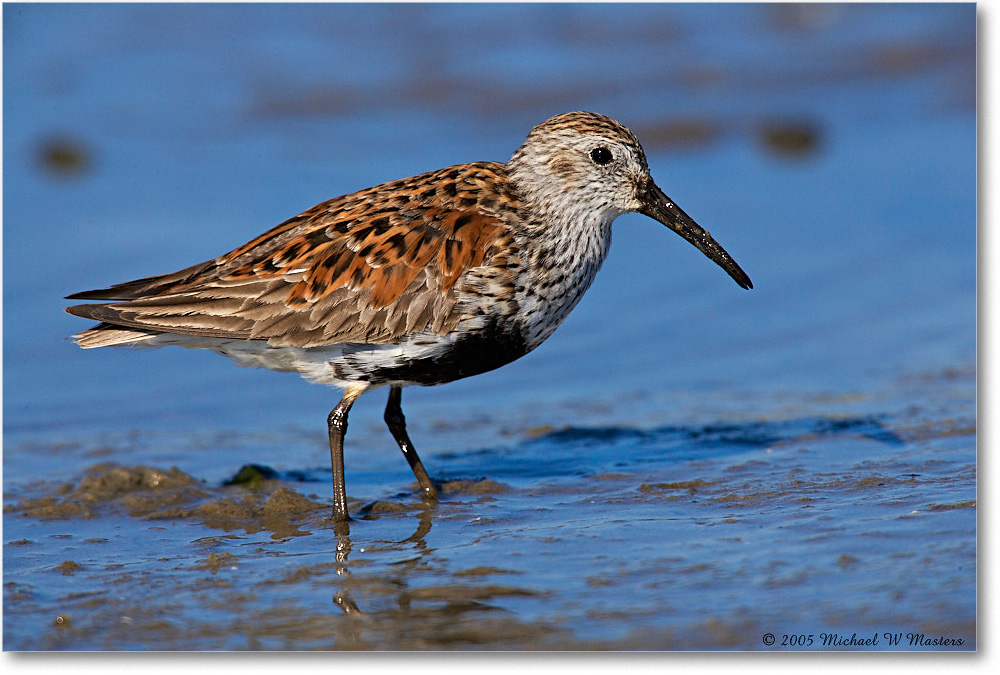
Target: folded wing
{"x": 372, "y": 267}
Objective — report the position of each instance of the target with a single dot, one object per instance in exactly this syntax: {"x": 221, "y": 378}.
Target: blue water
{"x": 190, "y": 129}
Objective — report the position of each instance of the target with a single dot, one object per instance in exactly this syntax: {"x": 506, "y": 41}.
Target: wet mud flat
{"x": 702, "y": 535}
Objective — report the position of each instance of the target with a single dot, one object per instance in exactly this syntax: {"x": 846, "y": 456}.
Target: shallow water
{"x": 683, "y": 465}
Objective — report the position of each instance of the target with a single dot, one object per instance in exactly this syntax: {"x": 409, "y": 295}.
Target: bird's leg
{"x": 397, "y": 426}
{"x": 337, "y": 425}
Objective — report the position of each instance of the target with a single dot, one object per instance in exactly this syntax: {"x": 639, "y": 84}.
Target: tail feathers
{"x": 107, "y": 335}
{"x": 131, "y": 290}
{"x": 109, "y": 331}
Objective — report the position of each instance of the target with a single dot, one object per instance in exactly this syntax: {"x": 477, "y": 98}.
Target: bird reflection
{"x": 342, "y": 598}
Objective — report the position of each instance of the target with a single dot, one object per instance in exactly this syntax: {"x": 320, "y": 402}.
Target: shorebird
{"x": 419, "y": 281}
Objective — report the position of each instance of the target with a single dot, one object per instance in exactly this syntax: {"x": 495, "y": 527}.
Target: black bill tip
{"x": 658, "y": 206}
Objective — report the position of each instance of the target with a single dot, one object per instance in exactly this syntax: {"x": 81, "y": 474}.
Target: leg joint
{"x": 338, "y": 416}
{"x": 394, "y": 418}
{"x": 394, "y": 411}
{"x": 337, "y": 419}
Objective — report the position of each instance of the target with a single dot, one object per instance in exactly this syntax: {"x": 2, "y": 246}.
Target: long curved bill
{"x": 659, "y": 207}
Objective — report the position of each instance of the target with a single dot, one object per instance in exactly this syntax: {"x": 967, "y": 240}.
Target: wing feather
{"x": 368, "y": 267}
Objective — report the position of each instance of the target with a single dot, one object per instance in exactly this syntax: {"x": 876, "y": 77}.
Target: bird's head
{"x": 584, "y": 162}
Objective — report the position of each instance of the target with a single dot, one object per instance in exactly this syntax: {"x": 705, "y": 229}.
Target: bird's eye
{"x": 601, "y": 155}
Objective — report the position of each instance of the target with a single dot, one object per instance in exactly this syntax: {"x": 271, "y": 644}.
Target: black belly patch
{"x": 471, "y": 354}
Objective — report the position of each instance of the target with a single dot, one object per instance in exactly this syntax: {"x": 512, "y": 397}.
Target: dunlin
{"x": 422, "y": 280}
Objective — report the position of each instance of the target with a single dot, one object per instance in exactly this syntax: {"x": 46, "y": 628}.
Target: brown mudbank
{"x": 109, "y": 490}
